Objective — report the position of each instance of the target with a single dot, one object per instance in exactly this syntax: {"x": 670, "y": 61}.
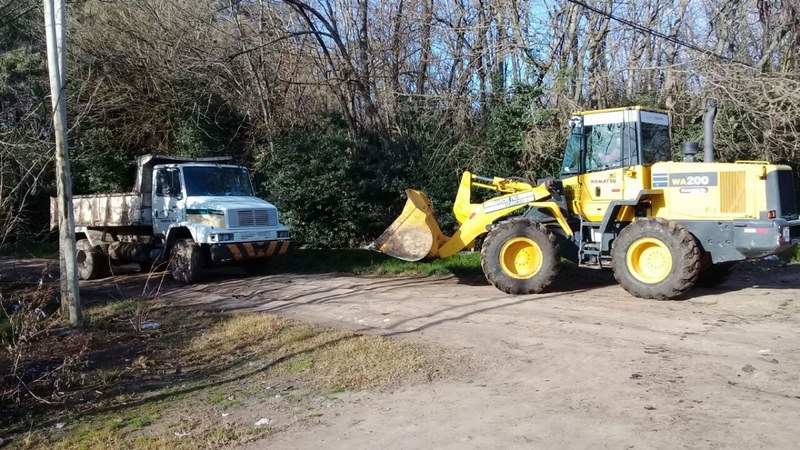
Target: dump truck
{"x": 620, "y": 203}
{"x": 189, "y": 213}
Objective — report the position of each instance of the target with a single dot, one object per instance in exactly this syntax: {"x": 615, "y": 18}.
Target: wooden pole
{"x": 55, "y": 15}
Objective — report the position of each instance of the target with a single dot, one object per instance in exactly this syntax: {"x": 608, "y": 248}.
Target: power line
{"x": 658, "y": 34}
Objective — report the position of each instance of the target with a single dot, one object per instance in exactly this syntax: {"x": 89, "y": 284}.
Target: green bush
{"x": 333, "y": 189}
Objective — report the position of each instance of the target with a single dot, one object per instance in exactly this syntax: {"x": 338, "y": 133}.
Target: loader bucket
{"x": 414, "y": 234}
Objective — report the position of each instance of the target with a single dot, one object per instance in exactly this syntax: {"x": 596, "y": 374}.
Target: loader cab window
{"x": 655, "y": 143}
{"x": 168, "y": 182}
{"x": 572, "y": 155}
{"x": 604, "y": 146}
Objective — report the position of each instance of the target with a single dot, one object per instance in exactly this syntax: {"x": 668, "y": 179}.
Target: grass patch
{"x": 203, "y": 380}
{"x": 330, "y": 358}
{"x": 105, "y": 316}
{"x": 364, "y": 262}
{"x": 6, "y": 329}
{"x": 33, "y": 248}
{"x": 791, "y": 255}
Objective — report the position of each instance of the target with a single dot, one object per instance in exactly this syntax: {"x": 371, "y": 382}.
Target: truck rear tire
{"x": 186, "y": 261}
{"x": 92, "y": 261}
{"x": 520, "y": 256}
{"x": 655, "y": 258}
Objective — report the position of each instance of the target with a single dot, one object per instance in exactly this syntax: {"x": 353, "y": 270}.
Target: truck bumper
{"x": 241, "y": 251}
{"x": 760, "y": 238}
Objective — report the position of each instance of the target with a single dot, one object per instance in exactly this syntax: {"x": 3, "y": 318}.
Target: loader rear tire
{"x": 520, "y": 256}
{"x": 92, "y": 261}
{"x": 186, "y": 261}
{"x": 655, "y": 258}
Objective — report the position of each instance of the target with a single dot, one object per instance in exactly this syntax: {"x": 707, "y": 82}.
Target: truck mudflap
{"x": 760, "y": 238}
{"x": 241, "y": 251}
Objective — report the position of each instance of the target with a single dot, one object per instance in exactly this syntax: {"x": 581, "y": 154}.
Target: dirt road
{"x": 583, "y": 366}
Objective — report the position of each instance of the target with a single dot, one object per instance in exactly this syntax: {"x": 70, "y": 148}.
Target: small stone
{"x": 636, "y": 376}
{"x": 60, "y": 425}
{"x": 748, "y": 368}
{"x": 263, "y": 421}
{"x": 650, "y": 408}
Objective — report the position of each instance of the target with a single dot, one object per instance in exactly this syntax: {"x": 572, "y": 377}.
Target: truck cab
{"x": 216, "y": 205}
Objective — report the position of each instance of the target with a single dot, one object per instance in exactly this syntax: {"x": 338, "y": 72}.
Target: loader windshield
{"x": 217, "y": 181}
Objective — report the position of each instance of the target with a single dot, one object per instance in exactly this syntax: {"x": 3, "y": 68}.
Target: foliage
{"x": 378, "y": 96}
{"x": 335, "y": 190}
{"x": 363, "y": 262}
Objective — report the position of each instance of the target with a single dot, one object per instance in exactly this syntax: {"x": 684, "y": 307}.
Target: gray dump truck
{"x": 188, "y": 212}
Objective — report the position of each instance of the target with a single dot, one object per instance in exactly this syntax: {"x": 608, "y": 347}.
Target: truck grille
{"x": 246, "y": 218}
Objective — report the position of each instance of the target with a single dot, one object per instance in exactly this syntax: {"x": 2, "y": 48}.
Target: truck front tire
{"x": 186, "y": 261}
{"x": 92, "y": 261}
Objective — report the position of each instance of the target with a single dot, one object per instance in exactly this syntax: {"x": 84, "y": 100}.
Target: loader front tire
{"x": 655, "y": 258}
{"x": 92, "y": 261}
{"x": 520, "y": 256}
{"x": 186, "y": 261}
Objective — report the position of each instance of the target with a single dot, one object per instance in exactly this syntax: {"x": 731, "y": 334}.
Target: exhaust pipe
{"x": 708, "y": 131}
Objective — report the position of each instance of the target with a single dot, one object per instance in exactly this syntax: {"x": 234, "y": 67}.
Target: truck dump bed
{"x": 105, "y": 210}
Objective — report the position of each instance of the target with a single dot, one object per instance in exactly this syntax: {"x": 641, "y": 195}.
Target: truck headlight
{"x": 222, "y": 237}
{"x": 283, "y": 234}
{"x": 211, "y": 217}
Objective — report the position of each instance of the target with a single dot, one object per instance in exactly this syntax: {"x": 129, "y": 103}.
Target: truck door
{"x": 168, "y": 199}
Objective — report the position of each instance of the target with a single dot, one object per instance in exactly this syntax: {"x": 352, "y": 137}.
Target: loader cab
{"x": 616, "y": 138}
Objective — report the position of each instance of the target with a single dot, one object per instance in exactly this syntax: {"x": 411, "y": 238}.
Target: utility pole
{"x": 55, "y": 22}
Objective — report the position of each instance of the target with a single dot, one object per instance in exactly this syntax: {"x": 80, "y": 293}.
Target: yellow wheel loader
{"x": 620, "y": 203}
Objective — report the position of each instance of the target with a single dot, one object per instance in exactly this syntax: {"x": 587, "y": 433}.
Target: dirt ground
{"x": 584, "y": 365}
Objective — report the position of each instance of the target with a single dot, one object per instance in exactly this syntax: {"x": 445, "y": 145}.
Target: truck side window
{"x": 168, "y": 183}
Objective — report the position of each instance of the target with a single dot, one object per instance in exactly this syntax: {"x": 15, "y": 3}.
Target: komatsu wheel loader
{"x": 620, "y": 203}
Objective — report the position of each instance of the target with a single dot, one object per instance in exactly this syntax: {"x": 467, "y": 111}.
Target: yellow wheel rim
{"x": 521, "y": 258}
{"x": 649, "y": 260}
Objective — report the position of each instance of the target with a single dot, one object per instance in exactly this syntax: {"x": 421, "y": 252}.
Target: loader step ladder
{"x": 590, "y": 253}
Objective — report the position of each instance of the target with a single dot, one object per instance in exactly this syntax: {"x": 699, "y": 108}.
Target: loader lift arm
{"x": 415, "y": 234}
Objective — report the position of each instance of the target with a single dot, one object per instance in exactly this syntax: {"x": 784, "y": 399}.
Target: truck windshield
{"x": 217, "y": 181}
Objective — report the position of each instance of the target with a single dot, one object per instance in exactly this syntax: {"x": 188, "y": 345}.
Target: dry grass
{"x": 203, "y": 379}
{"x": 329, "y": 358}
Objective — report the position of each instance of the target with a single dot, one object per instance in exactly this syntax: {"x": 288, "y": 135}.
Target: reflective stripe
{"x": 284, "y": 247}
{"x": 235, "y": 251}
{"x": 271, "y": 249}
